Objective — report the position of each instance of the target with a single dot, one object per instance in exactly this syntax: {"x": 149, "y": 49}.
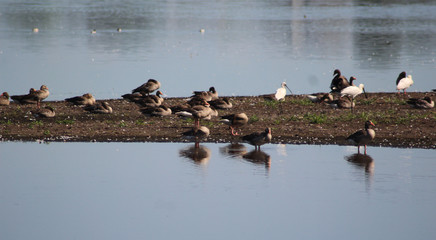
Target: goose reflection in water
{"x": 234, "y": 150}
{"x": 199, "y": 154}
{"x": 258, "y": 157}
{"x": 238, "y": 150}
{"x": 362, "y": 161}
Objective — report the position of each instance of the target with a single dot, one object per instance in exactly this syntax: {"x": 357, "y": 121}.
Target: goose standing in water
{"x": 85, "y": 99}
{"x": 362, "y": 137}
{"x": 235, "y": 120}
{"x": 404, "y": 82}
{"x": 4, "y": 99}
{"x": 421, "y": 103}
{"x": 258, "y": 139}
{"x": 339, "y": 82}
{"x": 150, "y": 86}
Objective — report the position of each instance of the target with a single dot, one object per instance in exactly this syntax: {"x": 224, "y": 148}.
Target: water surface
{"x": 247, "y": 48}
{"x": 160, "y": 191}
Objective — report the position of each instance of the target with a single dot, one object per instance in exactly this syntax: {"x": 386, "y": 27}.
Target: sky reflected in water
{"x": 164, "y": 190}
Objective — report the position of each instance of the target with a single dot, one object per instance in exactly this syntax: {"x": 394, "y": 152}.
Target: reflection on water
{"x": 362, "y": 161}
{"x": 198, "y": 153}
{"x": 258, "y": 157}
{"x": 234, "y": 150}
{"x": 78, "y": 188}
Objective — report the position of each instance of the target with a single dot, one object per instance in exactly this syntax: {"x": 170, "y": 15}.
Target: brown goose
{"x": 235, "y": 120}
{"x": 403, "y": 82}
{"x": 151, "y": 100}
{"x": 197, "y": 134}
{"x": 258, "y": 139}
{"x": 341, "y": 103}
{"x": 25, "y": 98}
{"x": 320, "y": 97}
{"x": 362, "y": 137}
{"x": 210, "y": 95}
{"x": 102, "y": 108}
{"x": 133, "y": 97}
{"x": 40, "y": 95}
{"x": 47, "y": 112}
{"x": 4, "y": 99}
{"x": 339, "y": 82}
{"x": 157, "y": 111}
{"x": 221, "y": 103}
{"x": 421, "y": 103}
{"x": 85, "y": 99}
{"x": 150, "y": 86}
{"x": 198, "y": 112}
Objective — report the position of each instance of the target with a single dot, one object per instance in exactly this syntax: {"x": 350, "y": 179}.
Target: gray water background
{"x": 154, "y": 191}
{"x": 247, "y": 47}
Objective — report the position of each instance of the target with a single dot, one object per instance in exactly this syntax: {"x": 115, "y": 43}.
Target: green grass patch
{"x": 122, "y": 124}
{"x": 66, "y": 121}
{"x": 35, "y": 123}
{"x": 315, "y": 118}
{"x": 140, "y": 122}
{"x": 302, "y": 102}
{"x": 253, "y": 118}
{"x": 395, "y": 100}
{"x": 271, "y": 104}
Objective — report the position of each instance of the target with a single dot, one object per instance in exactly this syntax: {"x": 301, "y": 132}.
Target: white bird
{"x": 353, "y": 91}
{"x": 281, "y": 92}
{"x": 404, "y": 82}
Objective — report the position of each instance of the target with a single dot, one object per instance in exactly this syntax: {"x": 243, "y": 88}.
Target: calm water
{"x": 167, "y": 191}
{"x": 248, "y": 47}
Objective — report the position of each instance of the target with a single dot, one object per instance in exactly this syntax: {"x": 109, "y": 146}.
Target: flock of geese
{"x": 203, "y": 105}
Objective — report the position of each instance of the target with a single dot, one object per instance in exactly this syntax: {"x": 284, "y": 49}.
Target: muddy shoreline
{"x": 294, "y": 121}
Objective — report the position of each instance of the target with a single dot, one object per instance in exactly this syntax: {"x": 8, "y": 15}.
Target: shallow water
{"x": 166, "y": 191}
{"x": 247, "y": 48}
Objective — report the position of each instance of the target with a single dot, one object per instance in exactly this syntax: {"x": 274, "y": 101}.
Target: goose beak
{"x": 366, "y": 96}
{"x": 288, "y": 89}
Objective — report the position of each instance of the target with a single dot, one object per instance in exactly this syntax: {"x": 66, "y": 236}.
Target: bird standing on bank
{"x": 362, "y": 137}
{"x": 404, "y": 82}
{"x": 235, "y": 120}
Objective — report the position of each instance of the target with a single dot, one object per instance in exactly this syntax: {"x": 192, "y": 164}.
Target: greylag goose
{"x": 4, "y": 99}
{"x": 150, "y": 86}
{"x": 235, "y": 120}
{"x": 258, "y": 139}
{"x": 85, "y": 99}
{"x": 362, "y": 137}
